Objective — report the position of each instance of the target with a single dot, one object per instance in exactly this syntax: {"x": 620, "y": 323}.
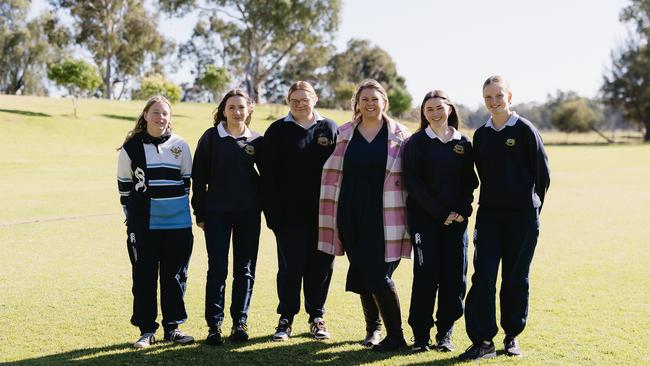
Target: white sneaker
{"x": 145, "y": 340}
{"x": 283, "y": 331}
{"x": 318, "y": 329}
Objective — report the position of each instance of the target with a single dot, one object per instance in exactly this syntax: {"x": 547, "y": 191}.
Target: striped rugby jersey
{"x": 166, "y": 181}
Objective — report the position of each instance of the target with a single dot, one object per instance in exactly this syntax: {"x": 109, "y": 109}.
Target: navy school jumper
{"x": 513, "y": 168}
{"x": 227, "y": 199}
{"x": 153, "y": 179}
{"x": 440, "y": 178}
{"x": 291, "y": 196}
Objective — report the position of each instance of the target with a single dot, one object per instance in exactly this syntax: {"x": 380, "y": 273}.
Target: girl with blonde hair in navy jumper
{"x": 227, "y": 201}
{"x": 153, "y": 178}
{"x": 513, "y": 168}
{"x": 440, "y": 180}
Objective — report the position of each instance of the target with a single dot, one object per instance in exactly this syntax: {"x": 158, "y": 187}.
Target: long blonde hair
{"x": 369, "y": 84}
{"x": 141, "y": 123}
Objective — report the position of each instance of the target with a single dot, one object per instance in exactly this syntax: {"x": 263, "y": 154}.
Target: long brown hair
{"x": 453, "y": 119}
{"x": 218, "y": 115}
{"x": 369, "y": 84}
{"x": 141, "y": 123}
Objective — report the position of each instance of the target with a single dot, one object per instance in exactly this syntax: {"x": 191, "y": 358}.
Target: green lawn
{"x": 65, "y": 273}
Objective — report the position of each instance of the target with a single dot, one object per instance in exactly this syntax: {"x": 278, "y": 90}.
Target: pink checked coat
{"x": 398, "y": 244}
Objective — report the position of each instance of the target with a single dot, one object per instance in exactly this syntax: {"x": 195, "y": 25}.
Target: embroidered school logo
{"x": 459, "y": 149}
{"x": 176, "y": 151}
{"x": 511, "y": 142}
{"x": 139, "y": 174}
{"x": 323, "y": 141}
{"x": 249, "y": 149}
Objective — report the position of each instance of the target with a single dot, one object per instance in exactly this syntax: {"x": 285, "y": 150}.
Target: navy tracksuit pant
{"x": 509, "y": 237}
{"x": 168, "y": 251}
{"x": 440, "y": 266}
{"x": 245, "y": 229}
{"x": 301, "y": 263}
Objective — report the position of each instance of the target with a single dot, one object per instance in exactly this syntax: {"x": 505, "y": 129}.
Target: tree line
{"x": 263, "y": 46}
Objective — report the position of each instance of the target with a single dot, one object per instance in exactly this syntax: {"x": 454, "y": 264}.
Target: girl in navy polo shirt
{"x": 226, "y": 200}
{"x": 513, "y": 168}
{"x": 440, "y": 178}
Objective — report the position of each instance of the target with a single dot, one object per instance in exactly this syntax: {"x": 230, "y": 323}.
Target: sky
{"x": 538, "y": 46}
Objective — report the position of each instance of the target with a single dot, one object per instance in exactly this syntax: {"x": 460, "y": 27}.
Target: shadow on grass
{"x": 26, "y": 113}
{"x": 257, "y": 351}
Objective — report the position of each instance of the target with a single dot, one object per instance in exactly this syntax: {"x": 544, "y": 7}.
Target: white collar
{"x": 456, "y": 135}
{"x": 510, "y": 122}
{"x": 224, "y": 133}
{"x": 317, "y": 117}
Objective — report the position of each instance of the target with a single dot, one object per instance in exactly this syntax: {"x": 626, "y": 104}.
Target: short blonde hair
{"x": 301, "y": 85}
{"x": 497, "y": 79}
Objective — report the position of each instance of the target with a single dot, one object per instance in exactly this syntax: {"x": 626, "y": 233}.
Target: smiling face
{"x": 301, "y": 104}
{"x": 158, "y": 117}
{"x": 436, "y": 111}
{"x": 497, "y": 99}
{"x": 236, "y": 110}
{"x": 371, "y": 103}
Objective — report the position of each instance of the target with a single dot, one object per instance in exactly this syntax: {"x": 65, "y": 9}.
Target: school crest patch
{"x": 511, "y": 142}
{"x": 459, "y": 149}
{"x": 176, "y": 151}
{"x": 249, "y": 149}
{"x": 323, "y": 141}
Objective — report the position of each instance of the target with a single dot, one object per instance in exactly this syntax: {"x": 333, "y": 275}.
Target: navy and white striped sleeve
{"x": 124, "y": 177}
{"x": 186, "y": 167}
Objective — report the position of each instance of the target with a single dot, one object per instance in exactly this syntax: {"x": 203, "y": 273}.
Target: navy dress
{"x": 360, "y": 213}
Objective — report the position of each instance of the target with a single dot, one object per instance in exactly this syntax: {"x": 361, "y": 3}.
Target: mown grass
{"x": 65, "y": 274}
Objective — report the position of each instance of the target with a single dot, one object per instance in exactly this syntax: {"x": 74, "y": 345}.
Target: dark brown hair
{"x": 369, "y": 84}
{"x": 453, "y": 119}
{"x": 218, "y": 115}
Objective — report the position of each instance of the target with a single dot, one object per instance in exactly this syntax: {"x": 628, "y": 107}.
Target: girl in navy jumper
{"x": 297, "y": 147}
{"x": 226, "y": 200}
{"x": 153, "y": 178}
{"x": 513, "y": 169}
{"x": 440, "y": 179}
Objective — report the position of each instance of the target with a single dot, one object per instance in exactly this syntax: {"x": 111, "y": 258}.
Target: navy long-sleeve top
{"x": 224, "y": 176}
{"x": 439, "y": 176}
{"x": 294, "y": 157}
{"x": 512, "y": 165}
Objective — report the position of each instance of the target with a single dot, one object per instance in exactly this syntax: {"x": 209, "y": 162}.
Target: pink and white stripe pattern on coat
{"x": 398, "y": 244}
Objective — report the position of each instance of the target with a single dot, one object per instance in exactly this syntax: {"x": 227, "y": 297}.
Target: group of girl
{"x": 367, "y": 189}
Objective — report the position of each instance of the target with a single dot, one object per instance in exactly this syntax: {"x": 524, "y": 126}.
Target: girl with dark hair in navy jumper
{"x": 227, "y": 201}
{"x": 440, "y": 179}
{"x": 513, "y": 168}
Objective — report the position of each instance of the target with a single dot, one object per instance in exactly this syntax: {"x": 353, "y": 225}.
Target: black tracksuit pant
{"x": 168, "y": 251}
{"x": 509, "y": 237}
{"x": 301, "y": 263}
{"x": 440, "y": 266}
{"x": 245, "y": 229}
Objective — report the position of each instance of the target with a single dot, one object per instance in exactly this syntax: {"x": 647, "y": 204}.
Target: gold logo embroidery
{"x": 323, "y": 141}
{"x": 511, "y": 142}
{"x": 459, "y": 149}
{"x": 176, "y": 151}
{"x": 249, "y": 149}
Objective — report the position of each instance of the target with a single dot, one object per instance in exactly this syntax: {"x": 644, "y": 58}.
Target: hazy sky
{"x": 539, "y": 46}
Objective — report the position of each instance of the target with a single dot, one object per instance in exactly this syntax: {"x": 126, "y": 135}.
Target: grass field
{"x": 65, "y": 275}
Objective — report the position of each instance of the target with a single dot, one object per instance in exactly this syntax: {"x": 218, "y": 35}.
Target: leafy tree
{"x": 26, "y": 47}
{"x": 399, "y": 100}
{"x": 77, "y": 76}
{"x": 344, "y": 93}
{"x": 627, "y": 85}
{"x": 216, "y": 80}
{"x": 575, "y": 115}
{"x": 121, "y": 36}
{"x": 256, "y": 38}
{"x": 156, "y": 84}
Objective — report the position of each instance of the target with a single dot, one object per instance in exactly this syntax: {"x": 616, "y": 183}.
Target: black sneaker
{"x": 214, "y": 336}
{"x": 420, "y": 346}
{"x": 443, "y": 342}
{"x": 478, "y": 351}
{"x": 511, "y": 346}
{"x": 318, "y": 329}
{"x": 145, "y": 340}
{"x": 283, "y": 331}
{"x": 239, "y": 333}
{"x": 178, "y": 337}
